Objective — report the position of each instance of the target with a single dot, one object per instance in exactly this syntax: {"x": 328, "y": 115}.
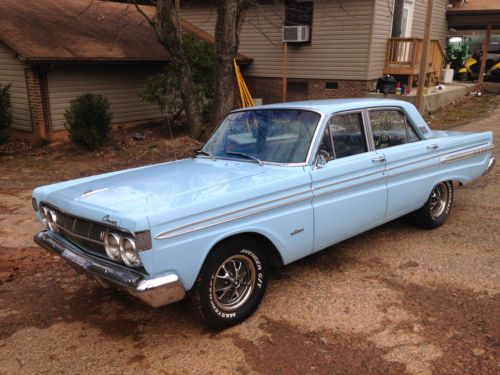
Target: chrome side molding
{"x": 467, "y": 154}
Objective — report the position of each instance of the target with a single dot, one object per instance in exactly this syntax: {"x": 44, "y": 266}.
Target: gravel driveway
{"x": 394, "y": 300}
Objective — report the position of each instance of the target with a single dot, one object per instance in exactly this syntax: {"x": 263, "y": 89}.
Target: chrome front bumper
{"x": 156, "y": 291}
{"x": 491, "y": 163}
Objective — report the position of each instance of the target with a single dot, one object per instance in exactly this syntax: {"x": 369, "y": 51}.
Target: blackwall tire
{"x": 231, "y": 283}
{"x": 436, "y": 210}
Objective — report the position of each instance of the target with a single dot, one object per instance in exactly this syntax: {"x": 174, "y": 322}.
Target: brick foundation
{"x": 270, "y": 89}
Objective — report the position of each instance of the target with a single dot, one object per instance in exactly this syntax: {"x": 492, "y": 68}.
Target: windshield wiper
{"x": 244, "y": 155}
{"x": 203, "y": 152}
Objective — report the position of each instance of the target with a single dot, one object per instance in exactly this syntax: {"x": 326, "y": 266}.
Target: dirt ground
{"x": 393, "y": 300}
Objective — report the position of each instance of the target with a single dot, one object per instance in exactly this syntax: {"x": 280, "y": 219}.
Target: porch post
{"x": 486, "y": 41}
{"x": 424, "y": 57}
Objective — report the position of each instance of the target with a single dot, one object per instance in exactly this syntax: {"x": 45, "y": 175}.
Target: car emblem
{"x": 109, "y": 220}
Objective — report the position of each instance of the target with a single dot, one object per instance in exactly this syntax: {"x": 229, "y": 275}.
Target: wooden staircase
{"x": 403, "y": 58}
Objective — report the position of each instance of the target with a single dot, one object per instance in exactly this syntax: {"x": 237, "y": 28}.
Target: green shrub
{"x": 5, "y": 113}
{"x": 164, "y": 89}
{"x": 88, "y": 121}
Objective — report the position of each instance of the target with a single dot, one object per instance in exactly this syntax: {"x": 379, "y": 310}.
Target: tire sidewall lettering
{"x": 223, "y": 315}
{"x": 259, "y": 283}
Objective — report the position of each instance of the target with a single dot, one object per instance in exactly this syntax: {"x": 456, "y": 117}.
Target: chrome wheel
{"x": 438, "y": 200}
{"x": 233, "y": 282}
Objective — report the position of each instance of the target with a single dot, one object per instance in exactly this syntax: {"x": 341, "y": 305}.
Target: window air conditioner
{"x": 296, "y": 34}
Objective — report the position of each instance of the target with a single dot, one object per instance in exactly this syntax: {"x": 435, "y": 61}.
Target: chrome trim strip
{"x": 92, "y": 192}
{"x": 467, "y": 154}
{"x": 350, "y": 186}
{"x": 412, "y": 162}
{"x": 166, "y": 234}
{"x": 349, "y": 179}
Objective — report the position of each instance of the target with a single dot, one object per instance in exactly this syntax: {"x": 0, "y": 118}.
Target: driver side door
{"x": 349, "y": 187}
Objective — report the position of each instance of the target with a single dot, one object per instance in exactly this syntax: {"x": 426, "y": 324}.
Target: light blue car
{"x": 273, "y": 184}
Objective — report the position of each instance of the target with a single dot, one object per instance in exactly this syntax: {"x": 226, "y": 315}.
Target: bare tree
{"x": 166, "y": 25}
{"x": 230, "y": 16}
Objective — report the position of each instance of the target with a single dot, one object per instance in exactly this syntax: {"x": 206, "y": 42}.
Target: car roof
{"x": 328, "y": 106}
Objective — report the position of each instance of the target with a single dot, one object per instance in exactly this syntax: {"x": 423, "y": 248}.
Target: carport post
{"x": 486, "y": 41}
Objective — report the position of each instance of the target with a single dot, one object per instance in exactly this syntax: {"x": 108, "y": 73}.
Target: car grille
{"x": 82, "y": 232}
{"x": 81, "y": 228}
{"x": 90, "y": 235}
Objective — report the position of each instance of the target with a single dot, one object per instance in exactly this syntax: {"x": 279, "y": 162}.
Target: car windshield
{"x": 266, "y": 135}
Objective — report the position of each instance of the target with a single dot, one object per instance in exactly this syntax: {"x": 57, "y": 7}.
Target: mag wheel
{"x": 231, "y": 283}
{"x": 437, "y": 208}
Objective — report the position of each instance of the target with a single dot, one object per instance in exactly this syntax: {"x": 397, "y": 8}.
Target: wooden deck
{"x": 403, "y": 57}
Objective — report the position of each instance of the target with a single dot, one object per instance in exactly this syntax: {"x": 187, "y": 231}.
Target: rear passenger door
{"x": 349, "y": 191}
{"x": 410, "y": 161}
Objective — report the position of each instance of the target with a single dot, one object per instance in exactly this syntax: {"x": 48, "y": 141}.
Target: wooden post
{"x": 486, "y": 41}
{"x": 424, "y": 56}
{"x": 285, "y": 70}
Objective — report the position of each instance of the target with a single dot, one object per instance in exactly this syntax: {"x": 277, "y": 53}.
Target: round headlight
{"x": 45, "y": 217}
{"x": 52, "y": 220}
{"x": 128, "y": 252}
{"x": 112, "y": 245}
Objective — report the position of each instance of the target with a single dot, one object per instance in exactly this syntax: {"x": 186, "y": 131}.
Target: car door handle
{"x": 433, "y": 147}
{"x": 379, "y": 159}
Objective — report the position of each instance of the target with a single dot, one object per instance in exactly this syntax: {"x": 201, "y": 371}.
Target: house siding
{"x": 381, "y": 32}
{"x": 439, "y": 28}
{"x": 338, "y": 50}
{"x": 120, "y": 85}
{"x": 12, "y": 72}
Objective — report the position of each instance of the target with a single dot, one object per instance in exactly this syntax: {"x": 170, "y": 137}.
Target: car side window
{"x": 390, "y": 128}
{"x": 347, "y": 134}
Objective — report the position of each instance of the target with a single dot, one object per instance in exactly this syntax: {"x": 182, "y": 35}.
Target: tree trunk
{"x": 168, "y": 31}
{"x": 230, "y": 16}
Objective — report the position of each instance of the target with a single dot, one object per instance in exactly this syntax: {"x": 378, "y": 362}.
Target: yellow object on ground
{"x": 245, "y": 97}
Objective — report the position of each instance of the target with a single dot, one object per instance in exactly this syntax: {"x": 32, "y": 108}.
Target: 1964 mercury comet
{"x": 273, "y": 184}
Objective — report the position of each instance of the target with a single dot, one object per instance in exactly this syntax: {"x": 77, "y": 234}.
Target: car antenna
{"x": 172, "y": 138}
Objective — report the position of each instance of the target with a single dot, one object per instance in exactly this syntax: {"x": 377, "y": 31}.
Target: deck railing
{"x": 404, "y": 54}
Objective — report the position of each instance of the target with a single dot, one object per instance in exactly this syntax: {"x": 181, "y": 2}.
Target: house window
{"x": 298, "y": 13}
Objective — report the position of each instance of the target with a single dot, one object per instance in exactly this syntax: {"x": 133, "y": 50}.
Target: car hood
{"x": 165, "y": 185}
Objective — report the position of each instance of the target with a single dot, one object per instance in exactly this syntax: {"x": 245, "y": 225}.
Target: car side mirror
{"x": 320, "y": 161}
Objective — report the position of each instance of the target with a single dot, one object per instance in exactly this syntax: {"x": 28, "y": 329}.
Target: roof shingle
{"x": 83, "y": 30}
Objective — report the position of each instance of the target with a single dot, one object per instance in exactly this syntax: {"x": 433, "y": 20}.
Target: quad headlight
{"x": 49, "y": 219}
{"x": 112, "y": 245}
{"x": 121, "y": 248}
{"x": 128, "y": 252}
